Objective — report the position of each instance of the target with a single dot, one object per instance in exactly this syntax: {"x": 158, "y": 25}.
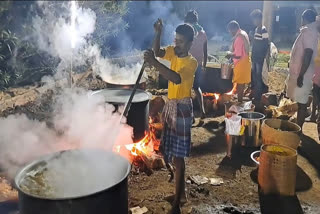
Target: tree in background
{"x": 21, "y": 61}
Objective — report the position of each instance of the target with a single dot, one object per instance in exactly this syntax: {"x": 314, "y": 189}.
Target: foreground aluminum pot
{"x": 112, "y": 198}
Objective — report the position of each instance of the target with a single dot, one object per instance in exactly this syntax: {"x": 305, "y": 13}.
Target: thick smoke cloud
{"x": 141, "y": 17}
{"x": 84, "y": 120}
{"x": 81, "y": 120}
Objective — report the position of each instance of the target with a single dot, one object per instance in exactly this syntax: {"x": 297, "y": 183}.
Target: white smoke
{"x": 55, "y": 34}
{"x": 113, "y": 73}
{"x": 85, "y": 122}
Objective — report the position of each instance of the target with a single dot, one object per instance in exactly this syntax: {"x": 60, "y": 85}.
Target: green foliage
{"x": 21, "y": 63}
{"x": 118, "y": 7}
{"x": 8, "y": 43}
{"x": 282, "y": 60}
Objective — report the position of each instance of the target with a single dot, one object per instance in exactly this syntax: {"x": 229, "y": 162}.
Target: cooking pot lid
{"x": 122, "y": 95}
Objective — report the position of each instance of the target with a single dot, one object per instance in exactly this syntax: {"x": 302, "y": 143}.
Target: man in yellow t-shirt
{"x": 178, "y": 111}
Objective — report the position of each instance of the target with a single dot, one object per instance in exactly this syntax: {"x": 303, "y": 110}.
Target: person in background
{"x": 301, "y": 64}
{"x": 178, "y": 111}
{"x": 240, "y": 57}
{"x": 260, "y": 50}
{"x": 316, "y": 84}
{"x": 199, "y": 52}
{"x": 316, "y": 79}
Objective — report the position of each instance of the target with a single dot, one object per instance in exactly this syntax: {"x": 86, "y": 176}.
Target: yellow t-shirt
{"x": 186, "y": 67}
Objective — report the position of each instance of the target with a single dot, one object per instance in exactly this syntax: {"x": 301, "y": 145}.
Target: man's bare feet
{"x": 171, "y": 172}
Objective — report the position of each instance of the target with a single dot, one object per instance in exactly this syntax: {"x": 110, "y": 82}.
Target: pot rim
{"x": 123, "y": 84}
{"x": 284, "y": 121}
{"x": 124, "y": 89}
{"x": 22, "y": 171}
{"x": 262, "y": 116}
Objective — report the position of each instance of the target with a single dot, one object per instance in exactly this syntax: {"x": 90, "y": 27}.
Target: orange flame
{"x": 233, "y": 90}
{"x": 148, "y": 145}
{"x": 215, "y": 95}
{"x": 140, "y": 146}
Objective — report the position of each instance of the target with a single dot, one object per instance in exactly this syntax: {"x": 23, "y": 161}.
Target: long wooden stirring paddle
{"x": 128, "y": 104}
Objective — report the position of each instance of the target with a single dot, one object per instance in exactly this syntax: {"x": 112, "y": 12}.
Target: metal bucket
{"x": 226, "y": 71}
{"x": 252, "y": 123}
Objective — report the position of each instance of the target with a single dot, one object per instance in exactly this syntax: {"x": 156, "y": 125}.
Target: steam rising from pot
{"x": 85, "y": 122}
{"x": 81, "y": 120}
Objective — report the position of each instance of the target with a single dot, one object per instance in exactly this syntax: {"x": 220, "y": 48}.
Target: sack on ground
{"x": 233, "y": 125}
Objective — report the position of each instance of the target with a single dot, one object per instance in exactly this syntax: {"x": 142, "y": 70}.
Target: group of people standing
{"x": 188, "y": 58}
{"x": 250, "y": 69}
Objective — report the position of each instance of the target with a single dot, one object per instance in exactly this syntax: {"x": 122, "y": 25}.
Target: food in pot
{"x": 74, "y": 174}
{"x": 37, "y": 184}
{"x": 277, "y": 151}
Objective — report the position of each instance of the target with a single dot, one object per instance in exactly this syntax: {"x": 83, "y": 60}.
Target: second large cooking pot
{"x": 82, "y": 181}
{"x": 212, "y": 82}
{"x": 138, "y": 115}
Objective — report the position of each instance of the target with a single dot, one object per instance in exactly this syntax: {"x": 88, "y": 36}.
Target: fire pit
{"x": 76, "y": 182}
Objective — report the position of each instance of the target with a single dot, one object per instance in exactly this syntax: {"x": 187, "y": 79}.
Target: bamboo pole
{"x": 268, "y": 16}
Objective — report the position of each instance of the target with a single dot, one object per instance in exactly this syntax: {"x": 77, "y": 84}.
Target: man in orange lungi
{"x": 240, "y": 57}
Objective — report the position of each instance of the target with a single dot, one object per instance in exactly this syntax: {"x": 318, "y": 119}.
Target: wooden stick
{"x": 128, "y": 104}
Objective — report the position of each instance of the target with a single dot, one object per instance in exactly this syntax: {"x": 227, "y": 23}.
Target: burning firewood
{"x": 156, "y": 131}
{"x": 208, "y": 107}
{"x": 215, "y": 101}
{"x": 152, "y": 161}
{"x": 224, "y": 98}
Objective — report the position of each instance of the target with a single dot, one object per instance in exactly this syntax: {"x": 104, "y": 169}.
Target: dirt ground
{"x": 239, "y": 193}
{"x": 240, "y": 187}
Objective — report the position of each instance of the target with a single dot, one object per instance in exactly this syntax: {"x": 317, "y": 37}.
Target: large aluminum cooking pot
{"x": 138, "y": 115}
{"x": 91, "y": 181}
{"x": 226, "y": 70}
